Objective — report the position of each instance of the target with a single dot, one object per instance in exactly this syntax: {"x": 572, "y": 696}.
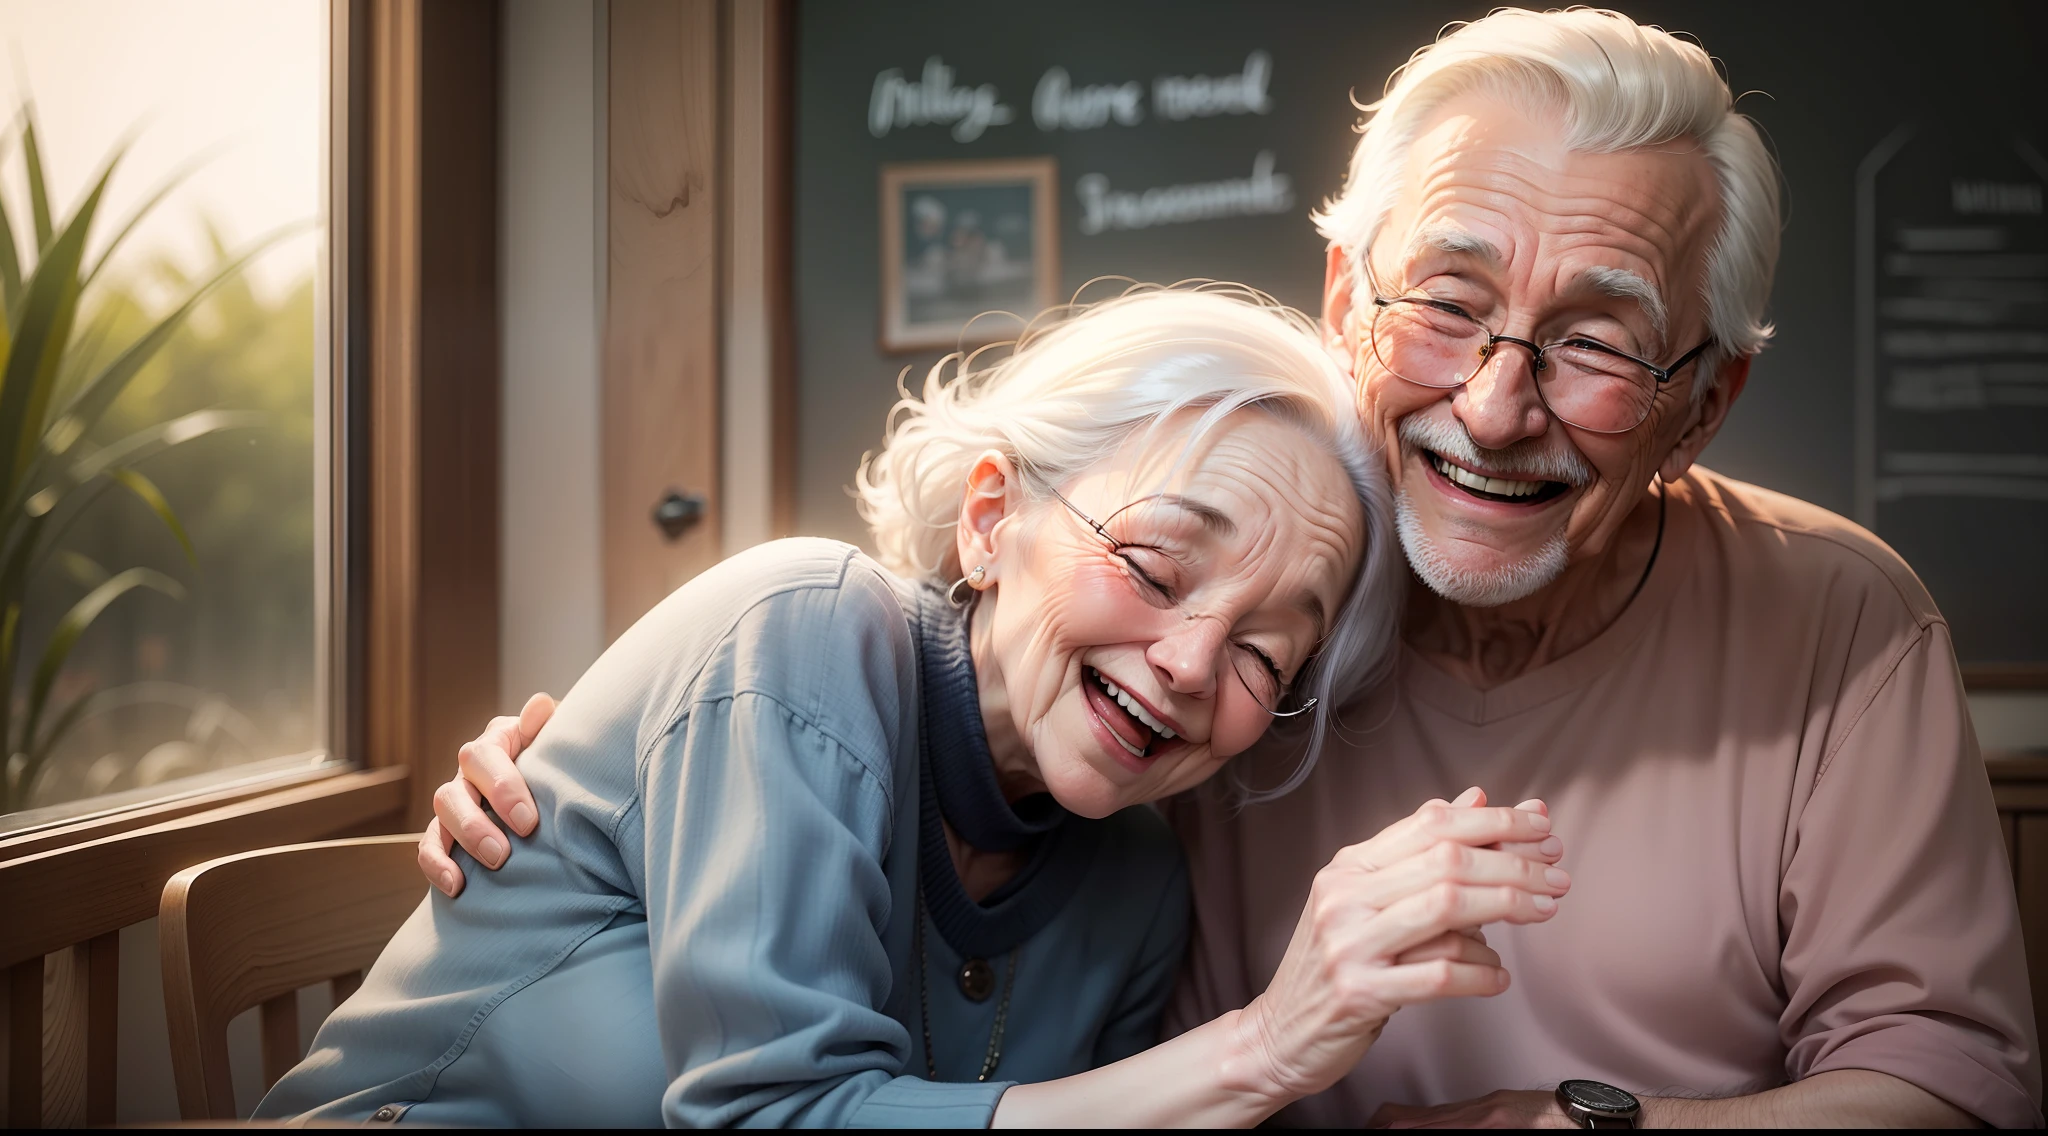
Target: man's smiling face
{"x": 1500, "y": 218}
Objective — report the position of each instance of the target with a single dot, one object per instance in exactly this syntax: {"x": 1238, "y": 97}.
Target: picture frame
{"x": 964, "y": 238}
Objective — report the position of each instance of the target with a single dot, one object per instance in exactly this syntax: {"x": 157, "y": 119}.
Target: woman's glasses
{"x": 1257, "y": 670}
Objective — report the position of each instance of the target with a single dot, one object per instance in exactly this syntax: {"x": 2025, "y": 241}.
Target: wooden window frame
{"x": 412, "y": 573}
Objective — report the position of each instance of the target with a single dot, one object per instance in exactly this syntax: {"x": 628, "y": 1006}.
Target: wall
{"x": 551, "y": 622}
{"x": 1827, "y": 83}
{"x": 1790, "y": 430}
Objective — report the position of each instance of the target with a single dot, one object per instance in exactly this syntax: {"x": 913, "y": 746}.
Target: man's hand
{"x": 1505, "y": 1109}
{"x": 484, "y": 771}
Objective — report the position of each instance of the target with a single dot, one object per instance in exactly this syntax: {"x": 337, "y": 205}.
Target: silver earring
{"x": 964, "y": 588}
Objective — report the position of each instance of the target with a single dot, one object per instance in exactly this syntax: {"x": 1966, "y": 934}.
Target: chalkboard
{"x": 1952, "y": 377}
{"x": 1237, "y": 118}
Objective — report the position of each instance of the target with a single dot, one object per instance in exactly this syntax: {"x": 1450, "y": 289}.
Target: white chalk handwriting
{"x": 933, "y": 99}
{"x": 1104, "y": 208}
{"x": 1058, "y": 104}
{"x": 1179, "y": 97}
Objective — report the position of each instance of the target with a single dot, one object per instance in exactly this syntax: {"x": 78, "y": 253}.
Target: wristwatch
{"x": 1594, "y": 1104}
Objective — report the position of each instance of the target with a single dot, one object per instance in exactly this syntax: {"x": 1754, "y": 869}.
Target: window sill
{"x": 52, "y": 826}
{"x": 84, "y": 880}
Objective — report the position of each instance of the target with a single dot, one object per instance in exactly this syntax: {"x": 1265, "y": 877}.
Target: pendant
{"x": 977, "y": 979}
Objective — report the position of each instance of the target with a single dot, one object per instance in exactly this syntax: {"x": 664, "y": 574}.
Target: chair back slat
{"x": 23, "y": 992}
{"x": 280, "y": 1037}
{"x": 252, "y": 929}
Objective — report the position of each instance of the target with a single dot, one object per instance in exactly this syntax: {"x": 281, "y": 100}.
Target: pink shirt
{"x": 1784, "y": 853}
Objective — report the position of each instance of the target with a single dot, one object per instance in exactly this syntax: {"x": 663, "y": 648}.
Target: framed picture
{"x": 963, "y": 238}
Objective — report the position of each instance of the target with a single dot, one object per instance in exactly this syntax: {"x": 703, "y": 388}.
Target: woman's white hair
{"x": 1083, "y": 382}
{"x": 1619, "y": 85}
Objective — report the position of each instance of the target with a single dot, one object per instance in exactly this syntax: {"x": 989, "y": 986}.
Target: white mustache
{"x": 1529, "y": 458}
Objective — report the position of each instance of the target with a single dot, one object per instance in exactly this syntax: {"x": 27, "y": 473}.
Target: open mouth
{"x": 1504, "y": 490}
{"x": 1134, "y": 727}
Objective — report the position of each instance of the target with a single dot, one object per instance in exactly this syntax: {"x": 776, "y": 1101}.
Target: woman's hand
{"x": 484, "y": 771}
{"x": 1395, "y": 921}
{"x": 1389, "y": 922}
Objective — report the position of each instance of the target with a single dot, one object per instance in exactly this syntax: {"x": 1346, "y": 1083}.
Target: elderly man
{"x": 1548, "y": 271}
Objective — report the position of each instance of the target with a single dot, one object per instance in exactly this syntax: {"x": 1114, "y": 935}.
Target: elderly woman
{"x": 833, "y": 840}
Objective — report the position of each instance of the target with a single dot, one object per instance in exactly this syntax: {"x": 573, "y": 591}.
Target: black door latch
{"x": 677, "y": 512}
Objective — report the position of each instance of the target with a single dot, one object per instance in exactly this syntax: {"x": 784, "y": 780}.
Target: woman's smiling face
{"x": 1108, "y": 662}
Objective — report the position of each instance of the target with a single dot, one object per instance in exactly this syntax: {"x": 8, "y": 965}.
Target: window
{"x": 162, "y": 625}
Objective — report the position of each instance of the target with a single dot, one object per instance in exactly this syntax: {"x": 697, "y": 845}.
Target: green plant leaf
{"x": 152, "y": 439}
{"x": 41, "y": 334}
{"x": 175, "y": 179}
{"x": 96, "y": 394}
{"x": 38, "y": 189}
{"x": 14, "y": 583}
{"x": 10, "y": 257}
{"x": 35, "y": 564}
{"x": 87, "y": 353}
{"x": 10, "y": 268}
{"x": 82, "y": 568}
{"x": 74, "y": 624}
{"x": 10, "y": 627}
{"x": 144, "y": 443}
{"x": 153, "y": 497}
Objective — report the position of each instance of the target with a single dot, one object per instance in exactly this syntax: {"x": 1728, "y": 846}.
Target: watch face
{"x": 1600, "y": 1097}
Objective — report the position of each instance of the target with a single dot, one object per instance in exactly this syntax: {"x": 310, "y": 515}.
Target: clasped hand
{"x": 1389, "y": 922}
{"x": 1395, "y": 921}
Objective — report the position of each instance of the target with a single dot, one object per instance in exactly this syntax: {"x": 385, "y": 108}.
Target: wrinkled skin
{"x": 1390, "y": 922}
{"x": 1060, "y": 603}
{"x": 1492, "y": 173}
{"x": 1483, "y": 169}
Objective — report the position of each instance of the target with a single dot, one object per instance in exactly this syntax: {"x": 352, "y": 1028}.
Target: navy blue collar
{"x": 965, "y": 772}
{"x": 958, "y": 778}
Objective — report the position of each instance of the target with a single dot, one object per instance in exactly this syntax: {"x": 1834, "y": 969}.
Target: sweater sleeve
{"x": 1902, "y": 940}
{"x": 1134, "y": 1023}
{"x": 766, "y": 903}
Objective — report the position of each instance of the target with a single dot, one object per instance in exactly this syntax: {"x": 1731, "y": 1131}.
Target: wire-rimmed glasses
{"x": 1258, "y": 672}
{"x": 1582, "y": 381}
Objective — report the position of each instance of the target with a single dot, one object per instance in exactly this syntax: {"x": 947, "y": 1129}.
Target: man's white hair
{"x": 1081, "y": 385}
{"x": 1619, "y": 85}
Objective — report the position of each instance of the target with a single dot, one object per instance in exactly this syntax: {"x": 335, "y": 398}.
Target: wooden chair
{"x": 252, "y": 929}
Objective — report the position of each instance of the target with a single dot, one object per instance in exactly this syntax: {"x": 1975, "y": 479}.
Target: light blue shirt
{"x": 713, "y": 923}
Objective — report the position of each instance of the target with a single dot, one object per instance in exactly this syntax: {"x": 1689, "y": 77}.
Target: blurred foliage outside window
{"x": 211, "y": 664}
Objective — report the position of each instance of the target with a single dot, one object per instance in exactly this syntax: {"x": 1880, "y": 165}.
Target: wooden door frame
{"x": 698, "y": 372}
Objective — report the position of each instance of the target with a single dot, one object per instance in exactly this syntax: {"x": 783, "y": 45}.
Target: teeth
{"x": 1137, "y": 710}
{"x": 1500, "y": 486}
{"x": 1134, "y": 751}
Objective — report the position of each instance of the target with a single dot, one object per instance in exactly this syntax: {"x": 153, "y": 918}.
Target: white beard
{"x": 1489, "y": 588}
